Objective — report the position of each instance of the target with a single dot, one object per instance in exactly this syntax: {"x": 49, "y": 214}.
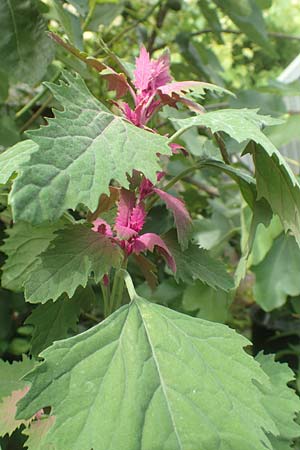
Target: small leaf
{"x": 53, "y": 320}
{"x": 191, "y": 386}
{"x": 75, "y": 253}
{"x": 80, "y": 151}
{"x": 182, "y": 218}
{"x": 277, "y": 276}
{"x": 196, "y": 264}
{"x": 12, "y": 159}
{"x": 22, "y": 247}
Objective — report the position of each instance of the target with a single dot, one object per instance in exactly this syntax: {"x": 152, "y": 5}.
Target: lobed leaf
{"x": 174, "y": 380}
{"x": 80, "y": 151}
{"x": 76, "y": 253}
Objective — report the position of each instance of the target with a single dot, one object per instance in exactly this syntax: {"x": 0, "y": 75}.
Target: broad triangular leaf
{"x": 80, "y": 151}
{"x": 36, "y": 433}
{"x": 277, "y": 276}
{"x": 195, "y": 263}
{"x": 12, "y": 159}
{"x": 275, "y": 180}
{"x": 76, "y": 252}
{"x": 8, "y": 409}
{"x": 25, "y": 50}
{"x": 22, "y": 247}
{"x": 53, "y": 320}
{"x": 149, "y": 377}
{"x": 280, "y": 401}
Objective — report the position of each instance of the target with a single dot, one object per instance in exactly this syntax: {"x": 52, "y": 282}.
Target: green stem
{"x": 179, "y": 133}
{"x": 105, "y": 295}
{"x": 117, "y": 291}
{"x": 36, "y": 98}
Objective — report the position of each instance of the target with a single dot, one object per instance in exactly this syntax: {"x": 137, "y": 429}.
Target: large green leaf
{"x": 75, "y": 253}
{"x": 25, "y": 49}
{"x": 248, "y": 17}
{"x": 275, "y": 180}
{"x": 80, "y": 151}
{"x": 277, "y": 276}
{"x": 151, "y": 378}
{"x": 53, "y": 320}
{"x": 280, "y": 402}
{"x": 22, "y": 247}
{"x": 195, "y": 263}
{"x": 12, "y": 159}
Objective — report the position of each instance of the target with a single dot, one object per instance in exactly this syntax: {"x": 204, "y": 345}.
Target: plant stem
{"x": 161, "y": 15}
{"x": 36, "y": 98}
{"x": 117, "y": 291}
{"x": 36, "y": 114}
{"x": 222, "y": 148}
{"x": 105, "y": 295}
{"x": 179, "y": 133}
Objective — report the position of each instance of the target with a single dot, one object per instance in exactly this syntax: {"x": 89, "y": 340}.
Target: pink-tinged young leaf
{"x": 131, "y": 217}
{"x": 148, "y": 241}
{"x": 8, "y": 409}
{"x": 183, "y": 87}
{"x": 36, "y": 433}
{"x": 116, "y": 82}
{"x": 100, "y": 226}
{"x": 161, "y": 71}
{"x": 143, "y": 70}
{"x": 182, "y": 218}
{"x": 177, "y": 149}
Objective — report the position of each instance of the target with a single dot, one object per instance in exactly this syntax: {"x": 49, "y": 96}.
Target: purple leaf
{"x": 131, "y": 217}
{"x": 182, "y": 218}
{"x": 100, "y": 226}
{"x": 150, "y": 240}
{"x": 143, "y": 69}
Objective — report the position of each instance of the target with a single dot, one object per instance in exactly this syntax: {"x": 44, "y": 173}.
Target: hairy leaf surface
{"x": 174, "y": 378}
{"x": 76, "y": 253}
{"x": 80, "y": 151}
{"x": 12, "y": 159}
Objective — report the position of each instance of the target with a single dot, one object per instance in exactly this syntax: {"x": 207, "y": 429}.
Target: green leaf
{"x": 23, "y": 245}
{"x": 82, "y": 6}
{"x": 206, "y": 302}
{"x": 247, "y": 16}
{"x": 274, "y": 179}
{"x": 177, "y": 383}
{"x": 70, "y": 23}
{"x": 26, "y": 50}
{"x": 80, "y": 151}
{"x": 36, "y": 433}
{"x": 279, "y": 186}
{"x": 75, "y": 253}
{"x": 11, "y": 374}
{"x": 196, "y": 264}
{"x": 53, "y": 320}
{"x": 280, "y": 401}
{"x": 277, "y": 276}
{"x": 211, "y": 16}
{"x": 12, "y": 159}
{"x": 9, "y": 133}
